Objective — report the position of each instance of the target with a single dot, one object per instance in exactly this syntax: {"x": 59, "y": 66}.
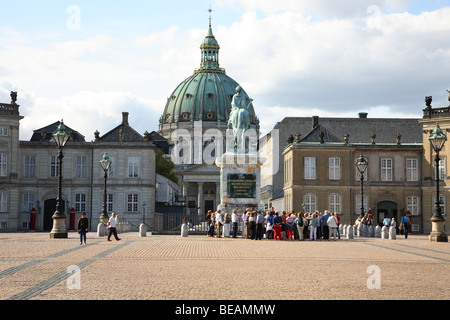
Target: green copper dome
{"x": 207, "y": 94}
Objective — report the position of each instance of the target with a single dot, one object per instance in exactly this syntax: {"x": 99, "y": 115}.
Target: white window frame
{"x": 28, "y": 202}
{"x": 442, "y": 169}
{"x": 29, "y": 170}
{"x": 335, "y": 203}
{"x": 310, "y": 202}
{"x": 3, "y": 202}
{"x": 134, "y": 167}
{"x": 132, "y": 202}
{"x": 413, "y": 205}
{"x": 4, "y": 132}
{"x": 3, "y": 164}
{"x": 80, "y": 202}
{"x": 386, "y": 169}
{"x": 412, "y": 170}
{"x": 54, "y": 166}
{"x": 310, "y": 168}
{"x": 334, "y": 168}
{"x": 110, "y": 202}
{"x": 81, "y": 167}
{"x": 358, "y": 203}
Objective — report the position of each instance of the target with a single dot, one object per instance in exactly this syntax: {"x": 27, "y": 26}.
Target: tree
{"x": 165, "y": 166}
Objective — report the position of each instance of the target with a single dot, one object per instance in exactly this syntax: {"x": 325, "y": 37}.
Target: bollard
{"x": 392, "y": 233}
{"x": 377, "y": 232}
{"x": 341, "y": 229}
{"x": 184, "y": 230}
{"x": 142, "y": 230}
{"x": 350, "y": 232}
{"x": 101, "y": 230}
{"x": 385, "y": 232}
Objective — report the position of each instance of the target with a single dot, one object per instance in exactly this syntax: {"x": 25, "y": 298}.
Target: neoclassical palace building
{"x": 318, "y": 167}
{"x": 29, "y": 174}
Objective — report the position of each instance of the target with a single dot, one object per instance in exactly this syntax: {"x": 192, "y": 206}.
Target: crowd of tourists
{"x": 274, "y": 225}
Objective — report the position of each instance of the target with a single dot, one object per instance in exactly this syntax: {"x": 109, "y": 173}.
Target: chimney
{"x": 125, "y": 118}
{"x": 315, "y": 121}
{"x": 363, "y": 115}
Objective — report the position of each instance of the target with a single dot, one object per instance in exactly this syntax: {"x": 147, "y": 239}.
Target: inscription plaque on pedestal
{"x": 241, "y": 185}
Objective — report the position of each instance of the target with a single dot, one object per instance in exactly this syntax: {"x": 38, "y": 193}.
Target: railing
{"x": 9, "y": 109}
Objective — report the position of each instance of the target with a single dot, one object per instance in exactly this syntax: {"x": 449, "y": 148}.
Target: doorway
{"x": 386, "y": 209}
{"x": 209, "y": 205}
{"x": 49, "y": 210}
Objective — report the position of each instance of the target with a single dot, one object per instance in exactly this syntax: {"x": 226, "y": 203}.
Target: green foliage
{"x": 165, "y": 166}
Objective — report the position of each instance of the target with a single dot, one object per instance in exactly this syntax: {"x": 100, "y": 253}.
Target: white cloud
{"x": 290, "y": 63}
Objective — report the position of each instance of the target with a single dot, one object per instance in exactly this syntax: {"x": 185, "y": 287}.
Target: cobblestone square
{"x": 160, "y": 267}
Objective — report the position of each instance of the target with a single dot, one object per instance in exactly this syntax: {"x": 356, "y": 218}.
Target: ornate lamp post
{"x": 106, "y": 163}
{"x": 362, "y": 165}
{"x": 437, "y": 140}
{"x": 59, "y": 231}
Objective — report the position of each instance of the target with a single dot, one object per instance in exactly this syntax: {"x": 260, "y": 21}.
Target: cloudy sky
{"x": 87, "y": 61}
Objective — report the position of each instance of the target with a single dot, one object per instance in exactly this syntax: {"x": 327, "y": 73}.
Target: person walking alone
{"x": 83, "y": 226}
{"x": 112, "y": 223}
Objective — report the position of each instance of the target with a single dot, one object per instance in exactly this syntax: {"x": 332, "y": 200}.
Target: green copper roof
{"x": 207, "y": 94}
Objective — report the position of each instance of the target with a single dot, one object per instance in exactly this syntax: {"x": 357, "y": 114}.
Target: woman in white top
{"x": 332, "y": 225}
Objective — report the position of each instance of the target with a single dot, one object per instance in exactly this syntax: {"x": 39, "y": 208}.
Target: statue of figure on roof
{"x": 13, "y": 97}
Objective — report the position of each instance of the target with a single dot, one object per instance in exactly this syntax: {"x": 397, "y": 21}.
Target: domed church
{"x": 195, "y": 121}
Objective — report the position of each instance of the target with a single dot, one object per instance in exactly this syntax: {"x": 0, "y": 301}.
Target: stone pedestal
{"x": 392, "y": 233}
{"x": 101, "y": 230}
{"x": 240, "y": 182}
{"x": 184, "y": 230}
{"x": 349, "y": 232}
{"x": 59, "y": 230}
{"x": 437, "y": 230}
{"x": 142, "y": 230}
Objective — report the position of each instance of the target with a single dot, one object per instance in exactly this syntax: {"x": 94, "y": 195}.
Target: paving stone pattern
{"x": 35, "y": 267}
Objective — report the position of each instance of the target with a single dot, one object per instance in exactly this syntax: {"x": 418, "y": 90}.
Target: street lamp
{"x": 106, "y": 164}
{"x": 362, "y": 165}
{"x": 437, "y": 140}
{"x": 59, "y": 231}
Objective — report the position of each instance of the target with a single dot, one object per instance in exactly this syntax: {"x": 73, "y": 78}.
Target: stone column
{"x": 218, "y": 195}
{"x": 200, "y": 199}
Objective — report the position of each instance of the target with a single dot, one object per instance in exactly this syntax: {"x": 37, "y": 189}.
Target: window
{"x": 133, "y": 167}
{"x": 110, "y": 203}
{"x": 132, "y": 203}
{"x": 386, "y": 169}
{"x": 3, "y": 225}
{"x": 335, "y": 203}
{"x": 358, "y": 204}
{"x": 28, "y": 202}
{"x": 81, "y": 168}
{"x": 310, "y": 202}
{"x": 3, "y": 202}
{"x": 334, "y": 171}
{"x": 310, "y": 168}
{"x": 3, "y": 165}
{"x": 80, "y": 202}
{"x": 412, "y": 205}
{"x": 54, "y": 168}
{"x": 412, "y": 170}
{"x": 4, "y": 132}
{"x": 442, "y": 169}
{"x": 30, "y": 167}
{"x": 442, "y": 203}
